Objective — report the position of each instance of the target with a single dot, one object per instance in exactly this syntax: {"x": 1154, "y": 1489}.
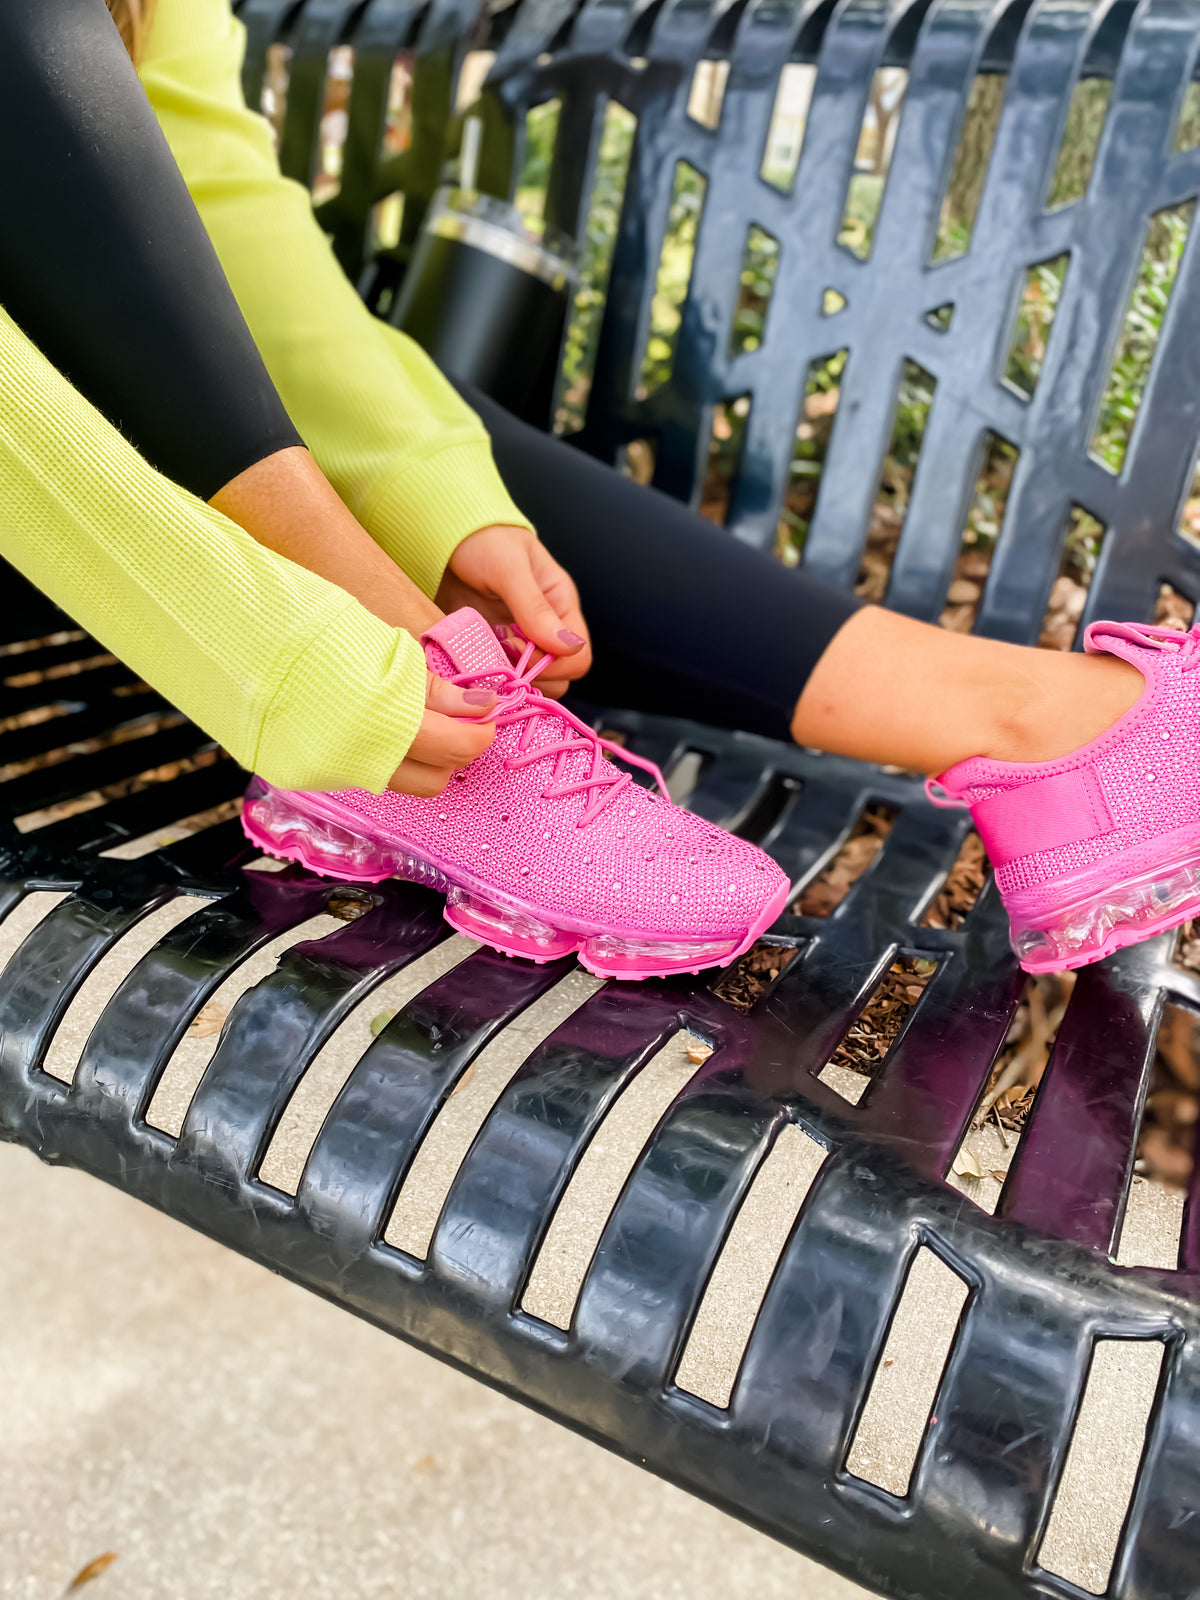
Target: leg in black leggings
{"x": 685, "y": 620}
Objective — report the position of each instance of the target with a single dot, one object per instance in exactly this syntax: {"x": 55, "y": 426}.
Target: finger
{"x": 452, "y": 701}
{"x": 450, "y": 741}
{"x": 536, "y": 617}
{"x": 453, "y": 592}
{"x": 512, "y": 641}
{"x": 415, "y": 778}
{"x": 559, "y": 589}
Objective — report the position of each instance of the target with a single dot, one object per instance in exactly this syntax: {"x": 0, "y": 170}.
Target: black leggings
{"x": 104, "y": 261}
{"x": 685, "y": 620}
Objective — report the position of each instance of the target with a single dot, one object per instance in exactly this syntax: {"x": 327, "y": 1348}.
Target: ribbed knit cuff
{"x": 427, "y": 507}
{"x": 347, "y": 708}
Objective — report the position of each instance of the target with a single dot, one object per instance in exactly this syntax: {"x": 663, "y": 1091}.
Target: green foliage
{"x": 674, "y": 275}
{"x": 971, "y": 160}
{"x": 760, "y": 262}
{"x": 1143, "y": 324}
{"x": 1139, "y": 336}
{"x": 813, "y": 433}
{"x": 862, "y": 211}
{"x": 1077, "y": 154}
{"x": 1035, "y": 314}
{"x": 595, "y": 262}
{"x": 541, "y": 131}
{"x": 912, "y": 413}
{"x": 1039, "y": 303}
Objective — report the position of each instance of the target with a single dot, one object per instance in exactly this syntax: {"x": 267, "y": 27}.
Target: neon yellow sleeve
{"x": 408, "y": 457}
{"x": 296, "y": 679}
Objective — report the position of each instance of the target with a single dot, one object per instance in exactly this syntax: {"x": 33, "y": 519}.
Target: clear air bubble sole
{"x": 277, "y": 825}
{"x": 1124, "y": 910}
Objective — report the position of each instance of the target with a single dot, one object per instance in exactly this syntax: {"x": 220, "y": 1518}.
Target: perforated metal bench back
{"x": 1042, "y": 1287}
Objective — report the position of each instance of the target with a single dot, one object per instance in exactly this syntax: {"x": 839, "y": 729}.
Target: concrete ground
{"x": 229, "y": 1435}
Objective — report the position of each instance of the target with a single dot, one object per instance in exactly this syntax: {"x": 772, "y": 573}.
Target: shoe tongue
{"x": 463, "y": 644}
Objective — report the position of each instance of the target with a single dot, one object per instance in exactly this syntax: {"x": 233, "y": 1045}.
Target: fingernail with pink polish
{"x": 478, "y": 697}
{"x": 571, "y": 640}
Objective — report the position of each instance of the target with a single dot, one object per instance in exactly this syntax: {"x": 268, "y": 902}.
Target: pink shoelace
{"x": 1186, "y": 645}
{"x": 521, "y": 702}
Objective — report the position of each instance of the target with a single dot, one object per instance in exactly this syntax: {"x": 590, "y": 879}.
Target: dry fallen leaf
{"x": 380, "y": 1022}
{"x": 464, "y": 1080}
{"x": 1176, "y": 1045}
{"x": 349, "y": 904}
{"x": 207, "y": 1022}
{"x": 698, "y": 1054}
{"x": 999, "y": 1174}
{"x": 92, "y": 1570}
{"x": 966, "y": 1165}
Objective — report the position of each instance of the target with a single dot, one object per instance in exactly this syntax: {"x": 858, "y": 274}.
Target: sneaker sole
{"x": 1114, "y": 916}
{"x": 500, "y": 921}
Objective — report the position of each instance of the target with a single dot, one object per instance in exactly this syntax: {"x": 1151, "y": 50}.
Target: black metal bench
{"x": 1040, "y": 1279}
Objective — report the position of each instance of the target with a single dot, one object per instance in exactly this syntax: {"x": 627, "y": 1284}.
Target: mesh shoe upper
{"x": 1114, "y": 797}
{"x": 544, "y": 816}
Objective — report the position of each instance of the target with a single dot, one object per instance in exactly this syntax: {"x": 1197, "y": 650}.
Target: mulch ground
{"x": 826, "y": 892}
{"x": 878, "y": 1026}
{"x": 748, "y": 980}
{"x": 1168, "y": 1134}
{"x": 1166, "y": 1143}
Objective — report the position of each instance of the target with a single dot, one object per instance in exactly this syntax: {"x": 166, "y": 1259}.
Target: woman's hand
{"x": 509, "y": 576}
{"x": 448, "y": 739}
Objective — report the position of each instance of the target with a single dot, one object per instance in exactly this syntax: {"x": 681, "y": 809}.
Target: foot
{"x": 1099, "y": 848}
{"x": 542, "y": 846}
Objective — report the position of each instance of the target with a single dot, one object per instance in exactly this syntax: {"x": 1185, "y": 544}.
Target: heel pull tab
{"x": 941, "y": 797}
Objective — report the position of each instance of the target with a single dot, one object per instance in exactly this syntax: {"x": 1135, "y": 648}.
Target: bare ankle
{"x": 1053, "y": 704}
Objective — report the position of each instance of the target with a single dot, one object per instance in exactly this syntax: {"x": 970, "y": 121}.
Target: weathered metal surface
{"x": 1043, "y": 1284}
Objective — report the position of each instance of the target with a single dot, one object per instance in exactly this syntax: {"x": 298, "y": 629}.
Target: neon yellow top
{"x": 291, "y": 675}
{"x": 408, "y": 457}
{"x": 294, "y": 677}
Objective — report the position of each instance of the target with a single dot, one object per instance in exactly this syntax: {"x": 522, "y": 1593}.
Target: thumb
{"x": 537, "y": 618}
{"x": 452, "y": 701}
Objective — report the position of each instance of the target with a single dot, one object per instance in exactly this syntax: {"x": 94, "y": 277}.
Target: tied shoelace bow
{"x": 521, "y": 702}
{"x": 1149, "y": 636}
{"x": 1185, "y": 645}
{"x": 1146, "y": 634}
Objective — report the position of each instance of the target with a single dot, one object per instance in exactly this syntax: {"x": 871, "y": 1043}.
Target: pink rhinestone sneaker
{"x": 541, "y": 846}
{"x": 1101, "y": 848}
